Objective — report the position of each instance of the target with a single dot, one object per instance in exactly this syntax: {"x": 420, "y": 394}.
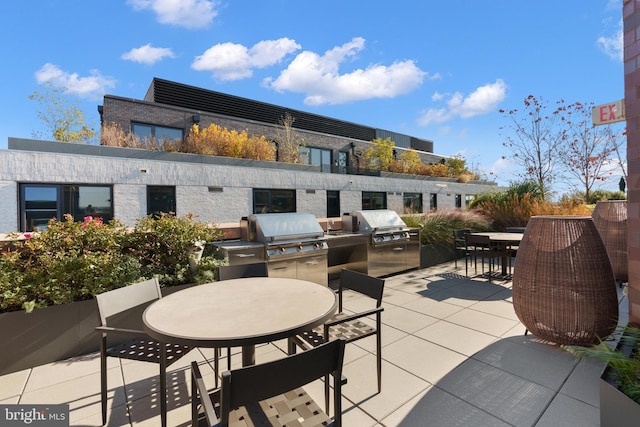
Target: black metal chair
{"x": 459, "y": 243}
{"x": 120, "y": 312}
{"x": 228, "y": 272}
{"x": 349, "y": 327}
{"x": 271, "y": 393}
{"x": 482, "y": 248}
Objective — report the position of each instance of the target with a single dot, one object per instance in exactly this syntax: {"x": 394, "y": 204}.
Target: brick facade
{"x": 631, "y": 16}
{"x": 124, "y": 111}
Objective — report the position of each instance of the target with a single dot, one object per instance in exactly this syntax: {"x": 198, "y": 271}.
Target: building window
{"x": 468, "y": 198}
{"x": 40, "y": 203}
{"x": 374, "y": 200}
{"x": 317, "y": 157}
{"x": 157, "y": 134}
{"x": 433, "y": 202}
{"x": 458, "y": 200}
{"x": 273, "y": 201}
{"x": 412, "y": 202}
{"x": 333, "y": 203}
{"x": 161, "y": 199}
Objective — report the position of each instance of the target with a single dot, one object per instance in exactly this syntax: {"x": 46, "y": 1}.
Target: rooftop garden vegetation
{"x": 214, "y": 140}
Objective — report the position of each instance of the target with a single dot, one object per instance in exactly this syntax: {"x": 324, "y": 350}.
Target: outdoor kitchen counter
{"x": 346, "y": 250}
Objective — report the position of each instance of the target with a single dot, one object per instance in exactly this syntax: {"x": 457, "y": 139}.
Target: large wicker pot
{"x": 564, "y": 290}
{"x": 610, "y": 218}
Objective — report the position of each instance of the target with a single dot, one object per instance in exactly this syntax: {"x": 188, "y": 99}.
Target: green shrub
{"x": 68, "y": 261}
{"x": 73, "y": 261}
{"x": 162, "y": 244}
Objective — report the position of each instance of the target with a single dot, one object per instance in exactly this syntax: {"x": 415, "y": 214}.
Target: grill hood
{"x": 380, "y": 220}
{"x": 285, "y": 227}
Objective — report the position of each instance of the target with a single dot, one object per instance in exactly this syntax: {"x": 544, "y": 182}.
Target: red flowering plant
{"x": 67, "y": 261}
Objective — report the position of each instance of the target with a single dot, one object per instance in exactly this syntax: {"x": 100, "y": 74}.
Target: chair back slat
{"x": 122, "y": 299}
{"x": 258, "y": 382}
{"x": 475, "y": 240}
{"x": 257, "y": 269}
{"x": 372, "y": 287}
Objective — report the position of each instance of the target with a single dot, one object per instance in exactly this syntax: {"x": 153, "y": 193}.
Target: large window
{"x": 333, "y": 203}
{"x": 412, "y": 202}
{"x": 468, "y": 198}
{"x": 161, "y": 199}
{"x": 458, "y": 200}
{"x": 273, "y": 201}
{"x": 374, "y": 200}
{"x": 41, "y": 202}
{"x": 433, "y": 202}
{"x": 158, "y": 134}
{"x": 317, "y": 157}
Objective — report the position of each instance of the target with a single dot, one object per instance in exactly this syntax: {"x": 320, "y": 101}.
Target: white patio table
{"x": 237, "y": 313}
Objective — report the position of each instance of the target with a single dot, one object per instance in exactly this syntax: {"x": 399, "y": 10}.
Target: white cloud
{"x": 148, "y": 54}
{"x": 184, "y": 13}
{"x": 613, "y": 46}
{"x": 93, "y": 86}
{"x": 231, "y": 61}
{"x": 319, "y": 77}
{"x": 483, "y": 100}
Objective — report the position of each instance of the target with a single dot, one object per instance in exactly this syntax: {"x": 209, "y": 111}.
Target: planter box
{"x": 435, "y": 254}
{"x": 616, "y": 408}
{"x": 53, "y": 333}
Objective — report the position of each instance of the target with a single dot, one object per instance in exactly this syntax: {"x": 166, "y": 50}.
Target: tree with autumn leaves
{"x": 552, "y": 143}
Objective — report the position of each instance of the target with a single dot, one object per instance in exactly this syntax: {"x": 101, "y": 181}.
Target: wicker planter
{"x": 610, "y": 218}
{"x": 564, "y": 290}
{"x": 435, "y": 254}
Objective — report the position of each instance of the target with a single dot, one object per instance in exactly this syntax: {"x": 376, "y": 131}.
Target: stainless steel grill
{"x": 295, "y": 245}
{"x": 393, "y": 247}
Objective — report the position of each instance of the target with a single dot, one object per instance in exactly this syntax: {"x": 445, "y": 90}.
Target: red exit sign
{"x": 608, "y": 113}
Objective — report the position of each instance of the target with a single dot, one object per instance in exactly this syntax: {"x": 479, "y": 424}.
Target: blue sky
{"x": 439, "y": 70}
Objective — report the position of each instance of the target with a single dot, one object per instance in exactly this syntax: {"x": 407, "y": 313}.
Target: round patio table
{"x": 238, "y": 312}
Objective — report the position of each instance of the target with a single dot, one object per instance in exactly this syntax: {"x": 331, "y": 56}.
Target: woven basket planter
{"x": 610, "y": 218}
{"x": 564, "y": 290}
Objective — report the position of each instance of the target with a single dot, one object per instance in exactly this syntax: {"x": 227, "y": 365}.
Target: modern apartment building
{"x": 42, "y": 179}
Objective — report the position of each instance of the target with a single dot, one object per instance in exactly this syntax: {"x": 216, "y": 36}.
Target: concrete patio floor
{"x": 454, "y": 354}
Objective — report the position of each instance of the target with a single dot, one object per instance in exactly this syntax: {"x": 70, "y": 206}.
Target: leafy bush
{"x": 218, "y": 141}
{"x": 437, "y": 227}
{"x": 163, "y": 245}
{"x": 68, "y": 261}
{"x": 72, "y": 261}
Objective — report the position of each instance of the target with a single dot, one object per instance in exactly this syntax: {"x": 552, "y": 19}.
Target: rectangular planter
{"x": 616, "y": 408}
{"x": 54, "y": 333}
{"x": 435, "y": 254}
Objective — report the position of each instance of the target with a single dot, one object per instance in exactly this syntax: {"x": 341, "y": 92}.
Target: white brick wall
{"x": 131, "y": 176}
{"x": 8, "y": 206}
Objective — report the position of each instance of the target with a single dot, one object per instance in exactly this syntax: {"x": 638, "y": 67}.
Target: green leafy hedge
{"x": 72, "y": 261}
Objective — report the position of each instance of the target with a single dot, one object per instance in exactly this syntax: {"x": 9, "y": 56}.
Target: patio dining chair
{"x": 480, "y": 247}
{"x": 459, "y": 243}
{"x": 350, "y": 327}
{"x": 271, "y": 393}
{"x": 120, "y": 312}
{"x": 238, "y": 271}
